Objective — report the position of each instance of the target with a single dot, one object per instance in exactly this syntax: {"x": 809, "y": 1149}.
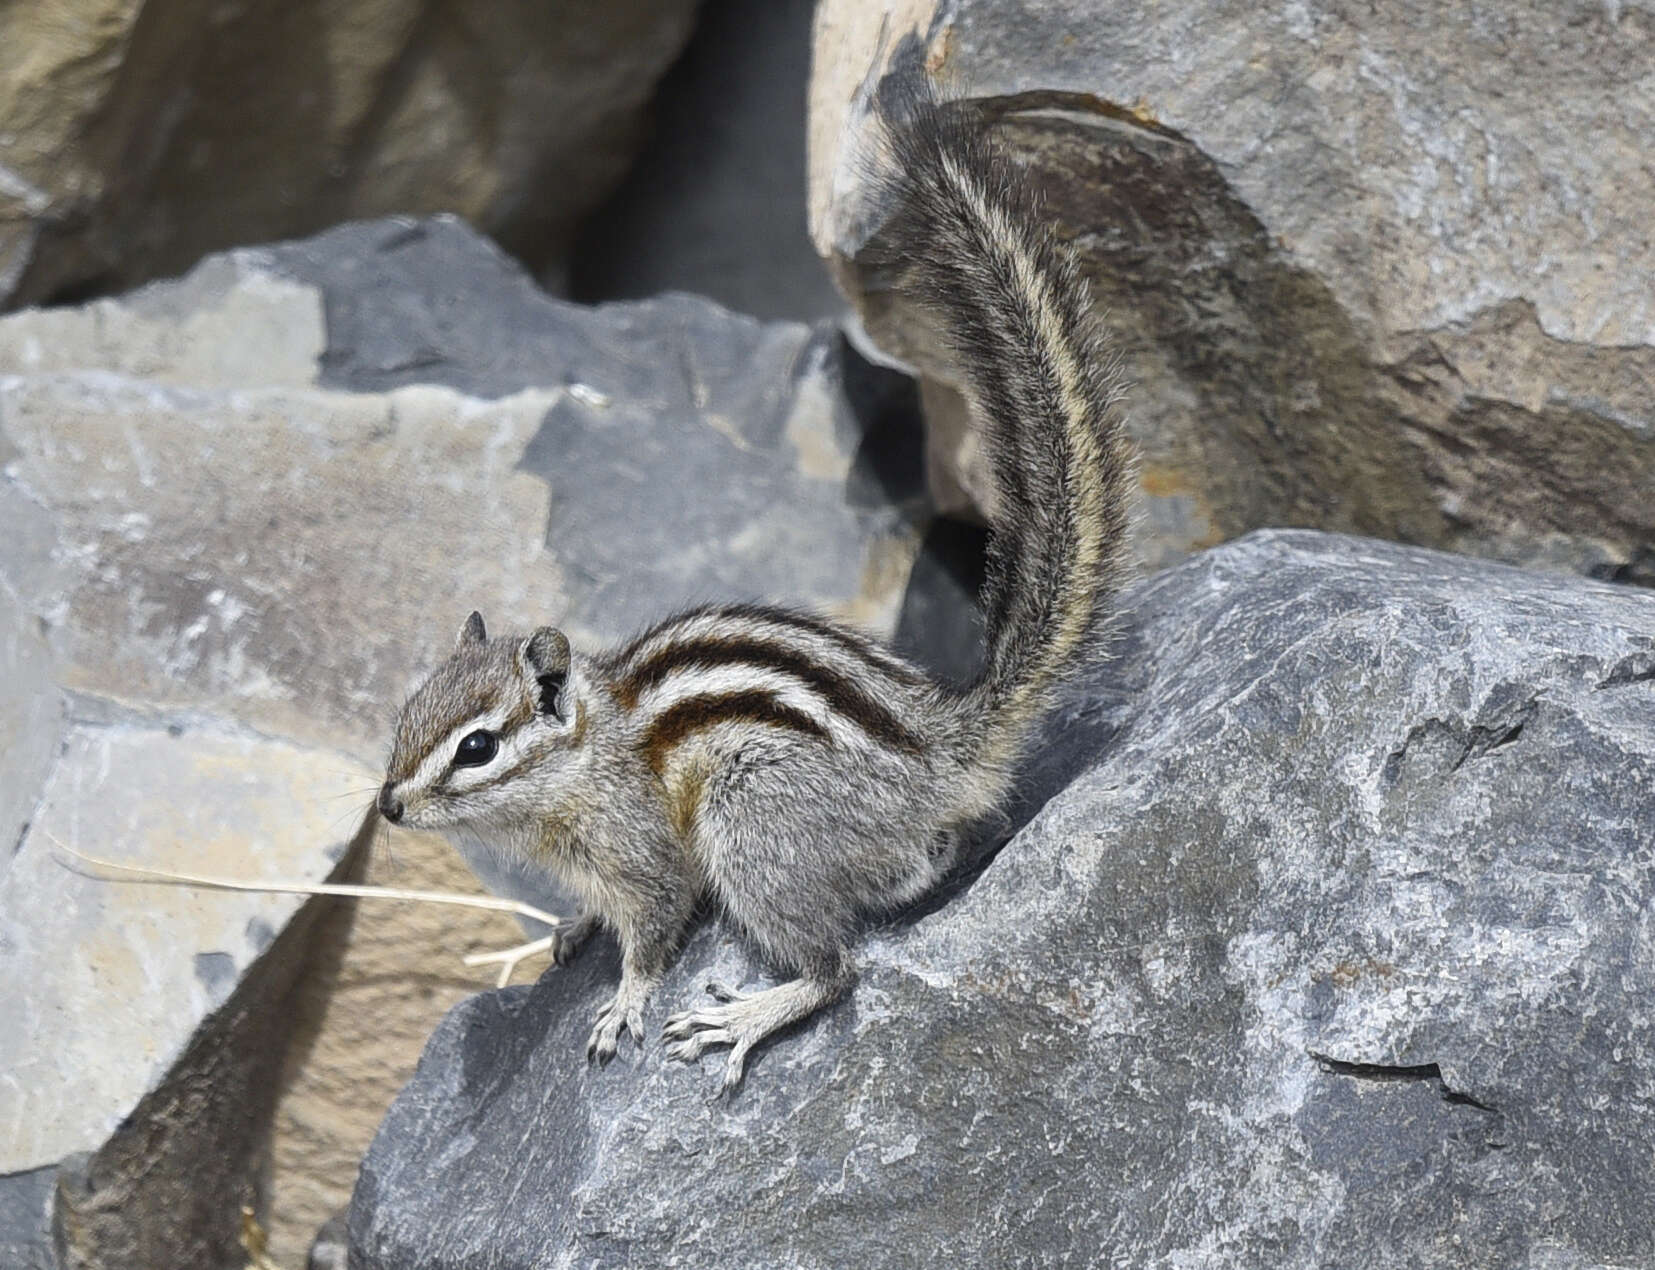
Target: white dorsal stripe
{"x": 832, "y": 654}
{"x": 719, "y": 681}
{"x": 1058, "y": 349}
{"x": 726, "y": 680}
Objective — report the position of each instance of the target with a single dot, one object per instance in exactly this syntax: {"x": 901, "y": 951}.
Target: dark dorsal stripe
{"x": 863, "y": 648}
{"x": 693, "y": 714}
{"x": 868, "y": 649}
{"x": 845, "y": 697}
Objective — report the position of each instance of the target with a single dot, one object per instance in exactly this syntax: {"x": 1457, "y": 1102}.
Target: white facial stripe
{"x": 512, "y": 748}
{"x": 435, "y": 763}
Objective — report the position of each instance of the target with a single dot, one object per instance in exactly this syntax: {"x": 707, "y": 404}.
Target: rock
{"x": 246, "y": 509}
{"x": 715, "y": 201}
{"x": 380, "y": 978}
{"x": 230, "y": 802}
{"x": 25, "y": 1219}
{"x": 774, "y": 462}
{"x": 145, "y": 1026}
{"x": 1324, "y": 940}
{"x": 1366, "y": 275}
{"x": 330, "y": 1251}
{"x": 136, "y": 138}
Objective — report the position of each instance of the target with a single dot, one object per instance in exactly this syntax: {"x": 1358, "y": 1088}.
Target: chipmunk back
{"x": 794, "y": 770}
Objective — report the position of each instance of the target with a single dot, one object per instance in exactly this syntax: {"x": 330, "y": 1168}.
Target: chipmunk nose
{"x": 390, "y": 806}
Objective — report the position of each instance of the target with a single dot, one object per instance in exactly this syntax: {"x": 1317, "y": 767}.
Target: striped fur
{"x": 972, "y": 246}
{"x": 695, "y": 714}
{"x": 822, "y": 639}
{"x": 838, "y": 691}
{"x": 791, "y": 769}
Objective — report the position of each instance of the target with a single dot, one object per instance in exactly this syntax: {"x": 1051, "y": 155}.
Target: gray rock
{"x": 244, "y": 510}
{"x": 1380, "y": 269}
{"x": 145, "y": 1034}
{"x": 329, "y": 1250}
{"x": 1324, "y": 940}
{"x": 769, "y": 456}
{"x": 715, "y": 201}
{"x": 25, "y": 1220}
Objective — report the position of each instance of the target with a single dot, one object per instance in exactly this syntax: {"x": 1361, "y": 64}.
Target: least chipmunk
{"x": 794, "y": 770}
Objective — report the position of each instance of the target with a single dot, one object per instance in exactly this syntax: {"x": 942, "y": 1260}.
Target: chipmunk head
{"x": 483, "y": 740}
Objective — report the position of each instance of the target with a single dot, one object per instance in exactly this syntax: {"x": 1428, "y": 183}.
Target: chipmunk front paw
{"x": 623, "y": 1013}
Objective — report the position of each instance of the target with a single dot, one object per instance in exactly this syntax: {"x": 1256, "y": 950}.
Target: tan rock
{"x": 386, "y": 972}
{"x": 248, "y": 550}
{"x": 137, "y": 137}
{"x": 1377, "y": 269}
{"x": 96, "y": 966}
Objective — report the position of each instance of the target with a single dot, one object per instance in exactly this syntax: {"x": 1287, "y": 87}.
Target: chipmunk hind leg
{"x": 794, "y": 933}
{"x": 790, "y": 874}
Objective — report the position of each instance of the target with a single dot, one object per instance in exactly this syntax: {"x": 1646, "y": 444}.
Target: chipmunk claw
{"x": 624, "y": 1012}
{"x": 692, "y": 1033}
{"x": 719, "y": 991}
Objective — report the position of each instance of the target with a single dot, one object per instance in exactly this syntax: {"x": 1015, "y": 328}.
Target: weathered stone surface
{"x": 1381, "y": 269}
{"x": 121, "y": 1002}
{"x": 1332, "y": 946}
{"x": 770, "y": 457}
{"x": 245, "y": 509}
{"x": 98, "y": 1005}
{"x": 25, "y": 1219}
{"x": 135, "y": 137}
{"x": 330, "y": 1251}
{"x": 715, "y": 201}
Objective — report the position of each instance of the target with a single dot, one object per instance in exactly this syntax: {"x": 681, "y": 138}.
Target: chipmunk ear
{"x": 545, "y": 656}
{"x": 472, "y": 632}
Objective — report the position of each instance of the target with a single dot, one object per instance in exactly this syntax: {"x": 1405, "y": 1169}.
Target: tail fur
{"x": 1045, "y": 391}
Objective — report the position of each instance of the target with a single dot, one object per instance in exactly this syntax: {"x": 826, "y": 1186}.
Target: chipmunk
{"x": 792, "y": 769}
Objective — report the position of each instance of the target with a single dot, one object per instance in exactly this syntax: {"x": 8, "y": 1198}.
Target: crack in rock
{"x": 1636, "y": 669}
{"x": 1400, "y": 1072}
{"x": 1454, "y": 744}
{"x": 1484, "y": 738}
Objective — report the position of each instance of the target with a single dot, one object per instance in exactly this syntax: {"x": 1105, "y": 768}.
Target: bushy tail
{"x": 970, "y": 241}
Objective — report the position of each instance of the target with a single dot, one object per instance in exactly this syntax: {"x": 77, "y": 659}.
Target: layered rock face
{"x": 1381, "y": 269}
{"x": 1324, "y": 940}
{"x": 1319, "y": 933}
{"x": 136, "y": 137}
{"x": 245, "y": 509}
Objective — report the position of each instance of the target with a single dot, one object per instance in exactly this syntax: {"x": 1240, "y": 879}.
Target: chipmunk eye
{"x": 475, "y": 749}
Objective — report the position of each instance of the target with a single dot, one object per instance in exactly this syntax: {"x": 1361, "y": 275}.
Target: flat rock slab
{"x": 244, "y": 510}
{"x": 1329, "y": 942}
{"x": 98, "y": 969}
{"x": 296, "y": 539}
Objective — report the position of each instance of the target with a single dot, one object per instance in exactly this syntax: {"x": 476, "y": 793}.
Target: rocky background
{"x": 1321, "y": 931}
{"x": 1377, "y": 271}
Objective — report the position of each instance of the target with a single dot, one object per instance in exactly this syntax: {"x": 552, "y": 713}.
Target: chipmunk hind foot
{"x": 744, "y": 1019}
